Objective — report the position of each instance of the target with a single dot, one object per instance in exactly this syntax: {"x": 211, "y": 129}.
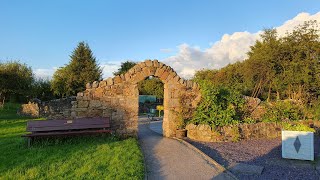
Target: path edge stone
{"x": 221, "y": 168}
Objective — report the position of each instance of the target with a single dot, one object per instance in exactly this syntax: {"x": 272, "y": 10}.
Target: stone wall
{"x": 58, "y": 108}
{"x": 118, "y": 98}
{"x": 54, "y": 109}
{"x": 233, "y": 133}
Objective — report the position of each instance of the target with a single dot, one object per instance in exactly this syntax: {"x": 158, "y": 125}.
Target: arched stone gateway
{"x": 118, "y": 98}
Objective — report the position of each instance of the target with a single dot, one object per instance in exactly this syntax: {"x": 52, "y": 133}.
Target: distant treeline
{"x": 19, "y": 84}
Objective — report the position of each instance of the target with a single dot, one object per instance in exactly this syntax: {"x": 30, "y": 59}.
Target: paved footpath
{"x": 167, "y": 158}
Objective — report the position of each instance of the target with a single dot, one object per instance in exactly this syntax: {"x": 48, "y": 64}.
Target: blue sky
{"x": 43, "y": 34}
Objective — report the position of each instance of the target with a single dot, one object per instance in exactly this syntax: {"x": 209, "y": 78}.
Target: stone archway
{"x": 118, "y": 97}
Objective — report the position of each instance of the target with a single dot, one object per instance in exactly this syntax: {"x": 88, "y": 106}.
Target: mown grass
{"x": 98, "y": 157}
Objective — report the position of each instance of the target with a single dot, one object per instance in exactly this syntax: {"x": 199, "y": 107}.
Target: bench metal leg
{"x": 29, "y": 142}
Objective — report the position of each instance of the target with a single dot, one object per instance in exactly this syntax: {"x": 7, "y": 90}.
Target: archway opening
{"x": 151, "y": 102}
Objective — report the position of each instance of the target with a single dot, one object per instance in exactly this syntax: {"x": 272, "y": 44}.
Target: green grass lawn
{"x": 99, "y": 157}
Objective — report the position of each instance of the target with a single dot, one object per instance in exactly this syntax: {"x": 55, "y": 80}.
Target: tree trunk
{"x": 269, "y": 92}
{"x": 1, "y": 101}
{"x": 257, "y": 89}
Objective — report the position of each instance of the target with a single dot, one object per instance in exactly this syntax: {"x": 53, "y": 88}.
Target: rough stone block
{"x": 171, "y": 76}
{"x": 95, "y": 84}
{"x": 117, "y": 80}
{"x": 190, "y": 127}
{"x": 137, "y": 68}
{"x": 156, "y": 63}
{"x": 152, "y": 71}
{"x": 181, "y": 81}
{"x": 142, "y": 65}
{"x": 123, "y": 77}
{"x": 176, "y": 79}
{"x": 189, "y": 84}
{"x": 94, "y": 113}
{"x": 109, "y": 81}
{"x": 131, "y": 130}
{"x": 95, "y": 103}
{"x": 149, "y": 63}
{"x": 81, "y": 109}
{"x": 73, "y": 103}
{"x": 83, "y": 104}
{"x": 73, "y": 114}
{"x": 159, "y": 72}
{"x": 131, "y": 71}
{"x": 127, "y": 76}
{"x": 161, "y": 65}
{"x": 102, "y": 84}
{"x": 88, "y": 86}
{"x": 164, "y": 75}
{"x": 146, "y": 72}
{"x": 195, "y": 86}
{"x": 31, "y": 109}
{"x": 98, "y": 93}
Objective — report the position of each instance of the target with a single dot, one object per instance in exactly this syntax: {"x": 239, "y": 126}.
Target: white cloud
{"x": 299, "y": 19}
{"x": 108, "y": 68}
{"x": 229, "y": 49}
{"x": 44, "y": 73}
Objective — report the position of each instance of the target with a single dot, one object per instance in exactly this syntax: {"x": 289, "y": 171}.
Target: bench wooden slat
{"x": 63, "y": 133}
{"x": 58, "y": 125}
{"x": 82, "y": 121}
{"x": 49, "y": 128}
{"x": 67, "y": 127}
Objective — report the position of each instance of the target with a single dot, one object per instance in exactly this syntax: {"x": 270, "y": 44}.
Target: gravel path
{"x": 167, "y": 158}
{"x": 260, "y": 152}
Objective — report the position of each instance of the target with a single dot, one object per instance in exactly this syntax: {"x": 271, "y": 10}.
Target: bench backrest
{"x": 62, "y": 125}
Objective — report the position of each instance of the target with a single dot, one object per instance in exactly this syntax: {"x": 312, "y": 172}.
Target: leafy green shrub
{"x": 314, "y": 110}
{"x": 236, "y": 134}
{"x": 249, "y": 120}
{"x": 284, "y": 110}
{"x": 296, "y": 127}
{"x": 219, "y": 106}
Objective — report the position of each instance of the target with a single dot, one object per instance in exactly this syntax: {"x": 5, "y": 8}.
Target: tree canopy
{"x": 125, "y": 66}
{"x": 81, "y": 69}
{"x": 286, "y": 67}
{"x": 151, "y": 86}
{"x": 15, "y": 80}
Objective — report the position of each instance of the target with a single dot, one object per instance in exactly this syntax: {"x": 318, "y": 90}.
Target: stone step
{"x": 246, "y": 169}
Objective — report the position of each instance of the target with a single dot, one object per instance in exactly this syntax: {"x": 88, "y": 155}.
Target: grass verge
{"x": 98, "y": 157}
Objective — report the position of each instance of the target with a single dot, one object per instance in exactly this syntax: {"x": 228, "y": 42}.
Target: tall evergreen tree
{"x": 81, "y": 69}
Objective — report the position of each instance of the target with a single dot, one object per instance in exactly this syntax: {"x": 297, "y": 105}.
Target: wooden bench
{"x": 49, "y": 128}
